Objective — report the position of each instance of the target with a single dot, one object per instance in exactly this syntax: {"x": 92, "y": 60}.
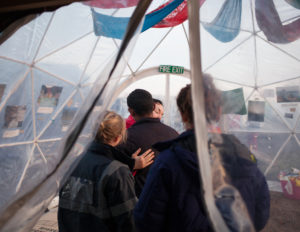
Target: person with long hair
{"x": 172, "y": 198}
{"x": 100, "y": 194}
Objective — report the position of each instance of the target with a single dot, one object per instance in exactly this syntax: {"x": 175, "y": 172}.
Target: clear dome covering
{"x": 54, "y": 67}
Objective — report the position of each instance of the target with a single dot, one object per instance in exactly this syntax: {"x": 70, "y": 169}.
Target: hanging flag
{"x": 226, "y": 25}
{"x": 115, "y": 27}
{"x": 108, "y": 4}
{"x": 269, "y": 22}
{"x": 178, "y": 16}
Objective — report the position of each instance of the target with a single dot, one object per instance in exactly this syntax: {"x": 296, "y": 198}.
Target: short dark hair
{"x": 141, "y": 102}
{"x": 155, "y": 100}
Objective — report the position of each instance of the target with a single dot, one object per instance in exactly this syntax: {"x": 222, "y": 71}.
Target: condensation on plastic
{"x": 268, "y": 74}
{"x": 35, "y": 124}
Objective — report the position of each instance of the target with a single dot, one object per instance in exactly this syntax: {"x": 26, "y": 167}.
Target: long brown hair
{"x": 212, "y": 101}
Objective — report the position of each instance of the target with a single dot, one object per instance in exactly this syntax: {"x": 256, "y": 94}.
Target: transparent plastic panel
{"x": 69, "y": 24}
{"x": 23, "y": 45}
{"x": 290, "y": 49}
{"x": 227, "y": 86}
{"x": 10, "y": 74}
{"x": 35, "y": 171}
{"x": 286, "y": 159}
{"x": 274, "y": 65}
{"x": 69, "y": 62}
{"x": 84, "y": 90}
{"x": 142, "y": 50}
{"x": 104, "y": 51}
{"x": 248, "y": 22}
{"x": 50, "y": 94}
{"x": 16, "y": 115}
{"x": 264, "y": 146}
{"x": 171, "y": 110}
{"x": 213, "y": 51}
{"x": 13, "y": 163}
{"x": 285, "y": 10}
{"x": 285, "y": 99}
{"x": 260, "y": 117}
{"x": 49, "y": 151}
{"x": 61, "y": 122}
{"x": 242, "y": 62}
{"x": 168, "y": 52}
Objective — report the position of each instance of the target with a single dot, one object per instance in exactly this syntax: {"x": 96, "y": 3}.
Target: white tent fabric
{"x": 52, "y": 65}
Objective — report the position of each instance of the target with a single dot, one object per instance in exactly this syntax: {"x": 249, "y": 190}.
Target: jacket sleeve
{"x": 129, "y": 147}
{"x": 149, "y": 214}
{"x": 262, "y": 206}
{"x": 121, "y": 199}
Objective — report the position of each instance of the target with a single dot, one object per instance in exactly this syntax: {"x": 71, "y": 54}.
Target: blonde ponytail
{"x": 112, "y": 126}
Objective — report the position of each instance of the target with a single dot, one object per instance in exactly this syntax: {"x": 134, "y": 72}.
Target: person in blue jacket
{"x": 172, "y": 200}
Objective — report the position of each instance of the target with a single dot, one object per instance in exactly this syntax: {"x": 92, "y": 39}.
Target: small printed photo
{"x": 293, "y": 110}
{"x": 14, "y": 116}
{"x": 289, "y": 115}
{"x": 49, "y": 96}
{"x": 268, "y": 93}
{"x": 288, "y": 94}
{"x": 2, "y": 88}
{"x": 256, "y": 111}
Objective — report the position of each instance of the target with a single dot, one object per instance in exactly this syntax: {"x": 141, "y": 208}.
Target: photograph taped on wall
{"x": 13, "y": 120}
{"x": 288, "y": 94}
{"x": 48, "y": 99}
{"x": 14, "y": 116}
{"x": 256, "y": 111}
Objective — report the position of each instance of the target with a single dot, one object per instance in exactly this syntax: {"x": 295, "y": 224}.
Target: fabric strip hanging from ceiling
{"x": 177, "y": 16}
{"x": 108, "y": 4}
{"x": 115, "y": 27}
{"x": 226, "y": 25}
{"x": 269, "y": 22}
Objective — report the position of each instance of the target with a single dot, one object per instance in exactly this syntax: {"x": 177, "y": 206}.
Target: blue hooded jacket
{"x": 172, "y": 200}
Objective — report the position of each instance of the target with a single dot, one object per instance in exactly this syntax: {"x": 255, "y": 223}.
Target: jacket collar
{"x": 99, "y": 148}
{"x": 166, "y": 144}
{"x": 146, "y": 120}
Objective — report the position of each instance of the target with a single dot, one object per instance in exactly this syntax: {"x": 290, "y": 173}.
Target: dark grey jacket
{"x": 99, "y": 195}
{"x": 143, "y": 134}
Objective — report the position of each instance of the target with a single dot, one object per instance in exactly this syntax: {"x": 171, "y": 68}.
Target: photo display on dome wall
{"x": 48, "y": 99}
{"x": 288, "y": 94}
{"x": 256, "y": 111}
{"x": 2, "y": 88}
{"x": 13, "y": 119}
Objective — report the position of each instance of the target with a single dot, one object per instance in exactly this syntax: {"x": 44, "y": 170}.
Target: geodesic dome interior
{"x": 50, "y": 66}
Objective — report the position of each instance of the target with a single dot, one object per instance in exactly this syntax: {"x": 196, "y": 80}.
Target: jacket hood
{"x": 236, "y": 157}
{"x": 184, "y": 148}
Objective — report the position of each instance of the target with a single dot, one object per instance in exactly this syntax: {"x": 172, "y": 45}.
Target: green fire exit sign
{"x": 171, "y": 69}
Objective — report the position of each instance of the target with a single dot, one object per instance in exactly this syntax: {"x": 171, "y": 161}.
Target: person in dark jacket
{"x": 172, "y": 199}
{"x": 145, "y": 132}
{"x": 100, "y": 195}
